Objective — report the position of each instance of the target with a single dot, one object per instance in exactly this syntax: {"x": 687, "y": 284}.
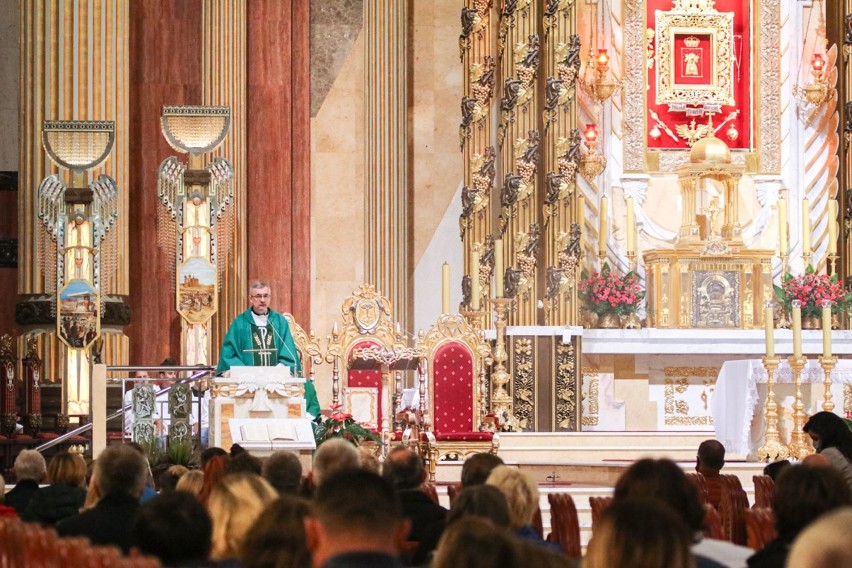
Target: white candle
{"x": 445, "y": 288}
{"x": 782, "y": 227}
{"x": 474, "y": 281}
{"x": 826, "y": 330}
{"x": 603, "y": 228}
{"x": 797, "y": 331}
{"x": 631, "y": 226}
{"x": 498, "y": 268}
{"x": 806, "y": 227}
{"x": 769, "y": 326}
{"x": 832, "y": 226}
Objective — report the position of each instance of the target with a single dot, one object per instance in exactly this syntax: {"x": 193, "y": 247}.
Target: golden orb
{"x": 710, "y": 150}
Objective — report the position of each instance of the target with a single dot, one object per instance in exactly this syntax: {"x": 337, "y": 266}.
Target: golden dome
{"x": 710, "y": 150}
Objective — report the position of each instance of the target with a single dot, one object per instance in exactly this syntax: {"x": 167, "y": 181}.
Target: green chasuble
{"x": 244, "y": 335}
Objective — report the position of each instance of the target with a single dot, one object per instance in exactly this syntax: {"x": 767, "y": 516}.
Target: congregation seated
{"x": 175, "y": 528}
{"x": 666, "y": 483}
{"x": 332, "y": 456}
{"x": 277, "y": 538}
{"x": 803, "y": 493}
{"x": 832, "y": 439}
{"x": 120, "y": 474}
{"x": 405, "y": 471}
{"x": 283, "y": 471}
{"x": 65, "y": 495}
{"x": 30, "y": 469}
{"x": 235, "y": 504}
{"x": 191, "y": 482}
{"x": 709, "y": 463}
{"x": 169, "y": 479}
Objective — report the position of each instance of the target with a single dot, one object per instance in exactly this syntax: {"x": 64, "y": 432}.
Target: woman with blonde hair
{"x": 522, "y": 496}
{"x": 191, "y": 482}
{"x": 639, "y": 534}
{"x": 234, "y": 505}
{"x": 277, "y": 539}
{"x": 66, "y": 494}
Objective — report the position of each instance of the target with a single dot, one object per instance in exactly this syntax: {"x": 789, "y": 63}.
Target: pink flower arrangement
{"x": 340, "y": 424}
{"x": 812, "y": 290}
{"x": 609, "y": 292}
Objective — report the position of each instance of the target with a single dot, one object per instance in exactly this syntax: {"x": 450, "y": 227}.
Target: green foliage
{"x": 341, "y": 425}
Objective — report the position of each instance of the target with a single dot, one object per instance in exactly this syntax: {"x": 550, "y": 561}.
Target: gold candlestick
{"x": 832, "y": 258}
{"x": 474, "y": 318}
{"x": 785, "y": 268}
{"x": 828, "y": 364}
{"x": 799, "y": 446}
{"x": 772, "y": 448}
{"x": 501, "y": 400}
{"x": 631, "y": 260}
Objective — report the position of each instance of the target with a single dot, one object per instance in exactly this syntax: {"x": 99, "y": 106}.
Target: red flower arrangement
{"x": 812, "y": 290}
{"x": 610, "y": 293}
{"x": 340, "y": 424}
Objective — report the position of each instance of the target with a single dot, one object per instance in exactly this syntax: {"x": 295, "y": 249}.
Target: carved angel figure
{"x": 468, "y": 197}
{"x": 511, "y": 189}
{"x": 513, "y": 281}
{"x": 555, "y": 94}
{"x": 511, "y": 91}
{"x": 555, "y": 184}
{"x": 555, "y": 281}
{"x": 468, "y": 108}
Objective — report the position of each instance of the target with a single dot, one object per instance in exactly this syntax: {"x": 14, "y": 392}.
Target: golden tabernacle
{"x": 709, "y": 279}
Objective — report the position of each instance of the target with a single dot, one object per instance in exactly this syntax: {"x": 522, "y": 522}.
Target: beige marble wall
{"x": 9, "y": 85}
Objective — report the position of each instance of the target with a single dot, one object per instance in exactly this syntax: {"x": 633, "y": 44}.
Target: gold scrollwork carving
{"x": 676, "y": 410}
{"x": 523, "y": 385}
{"x": 590, "y": 418}
{"x": 567, "y": 393}
{"x": 847, "y": 399}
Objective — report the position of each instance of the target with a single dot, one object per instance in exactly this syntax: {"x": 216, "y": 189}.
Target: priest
{"x": 261, "y": 336}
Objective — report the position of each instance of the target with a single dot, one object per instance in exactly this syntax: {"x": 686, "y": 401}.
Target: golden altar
{"x": 709, "y": 279}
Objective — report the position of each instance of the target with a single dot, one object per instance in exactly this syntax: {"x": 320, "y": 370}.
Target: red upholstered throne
{"x": 367, "y": 325}
{"x": 456, "y": 422}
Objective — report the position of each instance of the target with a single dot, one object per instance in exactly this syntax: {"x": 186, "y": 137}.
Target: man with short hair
{"x": 356, "y": 522}
{"x": 283, "y": 471}
{"x": 332, "y": 456}
{"x": 404, "y": 470}
{"x": 120, "y": 473}
{"x": 709, "y": 463}
{"x": 261, "y": 337}
{"x": 175, "y": 528}
{"x": 29, "y": 471}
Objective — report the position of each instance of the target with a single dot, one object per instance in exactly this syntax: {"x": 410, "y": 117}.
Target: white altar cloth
{"x": 735, "y": 400}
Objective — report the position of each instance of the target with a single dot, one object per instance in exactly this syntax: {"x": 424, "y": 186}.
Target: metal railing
{"x": 98, "y": 406}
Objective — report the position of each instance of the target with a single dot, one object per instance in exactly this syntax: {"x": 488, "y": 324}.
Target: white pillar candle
{"x": 498, "y": 268}
{"x": 769, "y": 326}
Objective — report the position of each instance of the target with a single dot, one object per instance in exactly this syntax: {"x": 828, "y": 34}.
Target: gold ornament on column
{"x": 195, "y": 220}
{"x": 772, "y": 449}
{"x": 592, "y": 163}
{"x": 799, "y": 447}
{"x": 78, "y": 220}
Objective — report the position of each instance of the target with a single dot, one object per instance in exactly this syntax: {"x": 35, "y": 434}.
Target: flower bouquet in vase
{"x": 812, "y": 290}
{"x": 339, "y": 424}
{"x": 612, "y": 297}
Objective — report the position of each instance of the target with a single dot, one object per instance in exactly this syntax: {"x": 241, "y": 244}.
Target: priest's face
{"x": 260, "y": 300}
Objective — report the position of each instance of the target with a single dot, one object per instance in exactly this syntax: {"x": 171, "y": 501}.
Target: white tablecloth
{"x": 735, "y": 399}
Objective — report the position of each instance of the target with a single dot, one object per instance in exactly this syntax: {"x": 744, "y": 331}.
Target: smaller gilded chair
{"x": 456, "y": 392}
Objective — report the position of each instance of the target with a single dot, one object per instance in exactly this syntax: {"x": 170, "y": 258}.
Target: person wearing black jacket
{"x": 66, "y": 494}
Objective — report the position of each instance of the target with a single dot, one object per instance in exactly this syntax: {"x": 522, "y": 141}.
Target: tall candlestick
{"x": 832, "y": 226}
{"x": 445, "y": 288}
{"x": 474, "y": 281}
{"x": 769, "y": 325}
{"x": 631, "y": 226}
{"x": 797, "y": 329}
{"x": 603, "y": 229}
{"x": 782, "y": 227}
{"x": 826, "y": 329}
{"x": 806, "y": 227}
{"x": 498, "y": 268}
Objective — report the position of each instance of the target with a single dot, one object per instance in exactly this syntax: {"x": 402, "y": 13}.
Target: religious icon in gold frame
{"x": 78, "y": 318}
{"x": 196, "y": 290}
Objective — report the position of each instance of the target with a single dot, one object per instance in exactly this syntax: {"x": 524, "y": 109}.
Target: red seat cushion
{"x": 464, "y": 436}
{"x": 47, "y": 435}
{"x": 371, "y": 378}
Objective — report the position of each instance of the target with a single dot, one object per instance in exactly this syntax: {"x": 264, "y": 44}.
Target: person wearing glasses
{"x": 261, "y": 337}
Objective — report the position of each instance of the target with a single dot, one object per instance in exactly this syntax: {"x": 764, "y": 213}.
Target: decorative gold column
{"x": 224, "y": 84}
{"x": 477, "y": 49}
{"x": 519, "y": 138}
{"x": 74, "y": 66}
{"x": 388, "y": 230}
{"x": 562, "y": 209}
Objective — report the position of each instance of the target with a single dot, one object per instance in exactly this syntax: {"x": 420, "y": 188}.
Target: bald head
{"x": 711, "y": 457}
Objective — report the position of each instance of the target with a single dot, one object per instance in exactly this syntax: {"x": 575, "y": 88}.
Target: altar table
{"x": 736, "y": 401}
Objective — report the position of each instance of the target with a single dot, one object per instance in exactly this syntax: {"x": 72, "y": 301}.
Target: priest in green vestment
{"x": 261, "y": 337}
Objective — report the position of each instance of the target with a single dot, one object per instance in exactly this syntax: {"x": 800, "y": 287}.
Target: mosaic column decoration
{"x": 195, "y": 220}
{"x": 388, "y": 231}
{"x": 839, "y": 33}
{"x": 74, "y": 67}
{"x": 8, "y": 387}
{"x": 519, "y": 138}
{"x": 477, "y": 51}
{"x": 79, "y": 219}
{"x": 561, "y": 212}
{"x": 31, "y": 364}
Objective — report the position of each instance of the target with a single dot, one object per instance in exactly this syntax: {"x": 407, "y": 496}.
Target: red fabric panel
{"x": 452, "y": 378}
{"x": 367, "y": 378}
{"x": 464, "y": 436}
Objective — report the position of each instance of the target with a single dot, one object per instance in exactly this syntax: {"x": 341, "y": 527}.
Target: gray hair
{"x": 257, "y": 285}
{"x": 334, "y": 455}
{"x": 30, "y": 464}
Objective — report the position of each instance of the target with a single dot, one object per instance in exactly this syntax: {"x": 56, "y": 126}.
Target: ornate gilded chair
{"x": 367, "y": 327}
{"x": 307, "y": 345}
{"x": 456, "y": 421}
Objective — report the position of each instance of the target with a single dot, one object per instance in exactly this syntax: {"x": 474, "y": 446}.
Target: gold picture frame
{"x": 720, "y": 27}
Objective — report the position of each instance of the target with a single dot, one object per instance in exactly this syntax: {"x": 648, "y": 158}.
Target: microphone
{"x": 298, "y": 369}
